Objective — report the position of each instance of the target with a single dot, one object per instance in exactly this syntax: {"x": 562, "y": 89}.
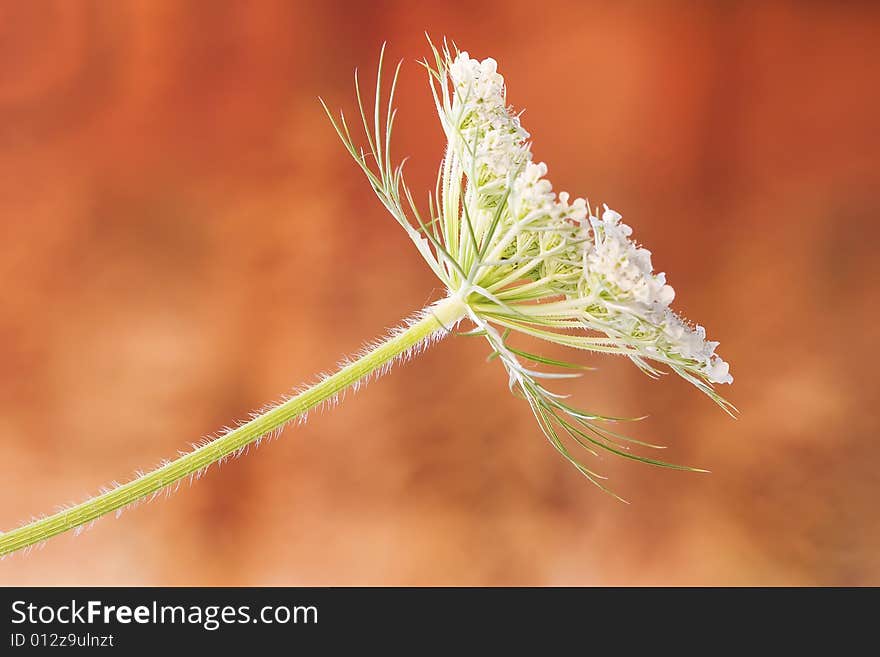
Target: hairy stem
{"x": 436, "y": 319}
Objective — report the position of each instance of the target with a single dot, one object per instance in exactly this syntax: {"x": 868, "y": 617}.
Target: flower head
{"x": 527, "y": 260}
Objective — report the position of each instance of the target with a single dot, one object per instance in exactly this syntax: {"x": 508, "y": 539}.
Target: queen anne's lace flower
{"x": 579, "y": 255}
{"x": 526, "y": 260}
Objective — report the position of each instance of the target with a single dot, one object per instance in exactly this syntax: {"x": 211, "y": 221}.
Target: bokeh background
{"x": 184, "y": 239}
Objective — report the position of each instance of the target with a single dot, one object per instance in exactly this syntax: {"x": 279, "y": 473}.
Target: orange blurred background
{"x": 184, "y": 239}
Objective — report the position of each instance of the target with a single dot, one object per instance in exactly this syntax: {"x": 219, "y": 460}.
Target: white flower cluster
{"x": 489, "y": 135}
{"x": 532, "y": 196}
{"x": 636, "y": 300}
{"x": 582, "y": 257}
{"x": 623, "y": 267}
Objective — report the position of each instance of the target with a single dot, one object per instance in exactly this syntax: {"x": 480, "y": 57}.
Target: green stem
{"x": 437, "y": 318}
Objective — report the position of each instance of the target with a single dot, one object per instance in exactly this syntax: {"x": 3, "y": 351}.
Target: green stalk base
{"x": 437, "y": 318}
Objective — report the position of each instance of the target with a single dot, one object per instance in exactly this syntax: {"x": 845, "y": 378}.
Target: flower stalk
{"x": 432, "y": 323}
